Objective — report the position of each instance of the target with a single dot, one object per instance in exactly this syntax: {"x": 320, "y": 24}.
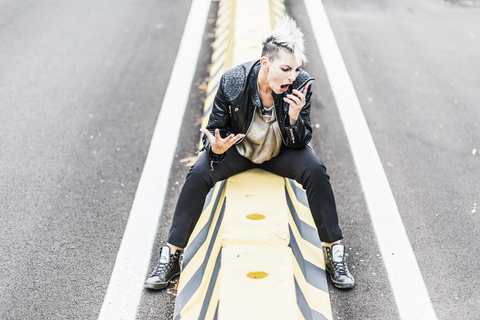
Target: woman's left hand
{"x": 296, "y": 100}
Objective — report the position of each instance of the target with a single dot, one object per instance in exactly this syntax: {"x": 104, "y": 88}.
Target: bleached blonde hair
{"x": 286, "y": 36}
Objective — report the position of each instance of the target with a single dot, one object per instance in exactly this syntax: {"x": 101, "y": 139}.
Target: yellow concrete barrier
{"x": 215, "y": 282}
{"x": 255, "y": 252}
{"x": 270, "y": 227}
{"x": 253, "y": 284}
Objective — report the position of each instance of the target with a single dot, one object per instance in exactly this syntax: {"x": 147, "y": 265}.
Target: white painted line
{"x": 411, "y": 296}
{"x": 126, "y": 283}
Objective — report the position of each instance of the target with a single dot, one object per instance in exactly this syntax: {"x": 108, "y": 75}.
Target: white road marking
{"x": 133, "y": 259}
{"x": 411, "y": 296}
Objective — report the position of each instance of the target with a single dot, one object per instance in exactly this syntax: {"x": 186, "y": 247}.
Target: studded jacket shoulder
{"x": 235, "y": 102}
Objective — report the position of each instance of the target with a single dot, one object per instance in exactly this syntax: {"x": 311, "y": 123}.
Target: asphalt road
{"x": 81, "y": 86}
{"x": 416, "y": 69}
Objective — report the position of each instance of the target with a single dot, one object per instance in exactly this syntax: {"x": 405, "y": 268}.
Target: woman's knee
{"x": 314, "y": 170}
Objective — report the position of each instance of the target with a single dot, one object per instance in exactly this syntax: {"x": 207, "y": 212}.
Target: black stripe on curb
{"x": 211, "y": 286}
{"x": 307, "y": 313}
{"x": 194, "y": 283}
{"x": 307, "y": 232}
{"x": 199, "y": 240}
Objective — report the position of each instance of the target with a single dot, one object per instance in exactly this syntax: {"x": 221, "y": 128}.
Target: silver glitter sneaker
{"x": 167, "y": 268}
{"x": 337, "y": 266}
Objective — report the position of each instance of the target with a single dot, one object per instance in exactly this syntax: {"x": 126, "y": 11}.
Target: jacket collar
{"x": 252, "y": 84}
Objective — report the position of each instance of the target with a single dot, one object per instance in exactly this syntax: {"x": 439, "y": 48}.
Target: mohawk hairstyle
{"x": 286, "y": 36}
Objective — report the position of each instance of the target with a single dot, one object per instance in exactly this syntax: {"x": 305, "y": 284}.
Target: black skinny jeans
{"x": 301, "y": 165}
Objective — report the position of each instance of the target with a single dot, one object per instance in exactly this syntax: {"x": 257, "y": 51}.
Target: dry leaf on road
{"x": 189, "y": 161}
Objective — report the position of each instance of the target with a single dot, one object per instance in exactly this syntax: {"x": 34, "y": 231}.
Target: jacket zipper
{"x": 281, "y": 134}
{"x": 291, "y": 135}
{"x": 230, "y": 111}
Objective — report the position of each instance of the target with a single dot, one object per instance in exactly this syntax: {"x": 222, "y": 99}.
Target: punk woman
{"x": 259, "y": 120}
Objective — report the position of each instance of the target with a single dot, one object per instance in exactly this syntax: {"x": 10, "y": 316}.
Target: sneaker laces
{"x": 162, "y": 264}
{"x": 338, "y": 261}
{"x": 340, "y": 267}
{"x": 159, "y": 269}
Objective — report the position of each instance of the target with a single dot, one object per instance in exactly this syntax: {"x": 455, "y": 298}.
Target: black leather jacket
{"x": 235, "y": 103}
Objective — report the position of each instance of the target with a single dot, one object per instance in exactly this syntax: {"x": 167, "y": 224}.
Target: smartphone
{"x": 308, "y": 81}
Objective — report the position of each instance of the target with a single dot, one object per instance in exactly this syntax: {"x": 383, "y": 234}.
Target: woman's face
{"x": 282, "y": 72}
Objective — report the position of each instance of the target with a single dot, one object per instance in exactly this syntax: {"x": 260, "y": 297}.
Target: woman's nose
{"x": 292, "y": 76}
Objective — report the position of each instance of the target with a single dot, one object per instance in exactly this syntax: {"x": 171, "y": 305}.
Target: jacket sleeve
{"x": 219, "y": 119}
{"x": 300, "y": 133}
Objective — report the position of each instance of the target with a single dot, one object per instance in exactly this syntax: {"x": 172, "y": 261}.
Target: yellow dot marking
{"x": 257, "y": 275}
{"x": 255, "y": 216}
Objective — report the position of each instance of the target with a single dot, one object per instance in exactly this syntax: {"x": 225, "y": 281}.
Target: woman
{"x": 259, "y": 120}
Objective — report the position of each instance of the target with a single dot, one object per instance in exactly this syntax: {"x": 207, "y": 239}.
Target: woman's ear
{"x": 264, "y": 63}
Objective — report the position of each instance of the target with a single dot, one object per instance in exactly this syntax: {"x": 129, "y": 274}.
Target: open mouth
{"x": 284, "y": 87}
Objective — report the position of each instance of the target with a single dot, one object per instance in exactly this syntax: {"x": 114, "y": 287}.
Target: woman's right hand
{"x": 220, "y": 145}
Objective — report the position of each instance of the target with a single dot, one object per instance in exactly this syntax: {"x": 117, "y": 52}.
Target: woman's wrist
{"x": 216, "y": 151}
{"x": 293, "y": 118}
